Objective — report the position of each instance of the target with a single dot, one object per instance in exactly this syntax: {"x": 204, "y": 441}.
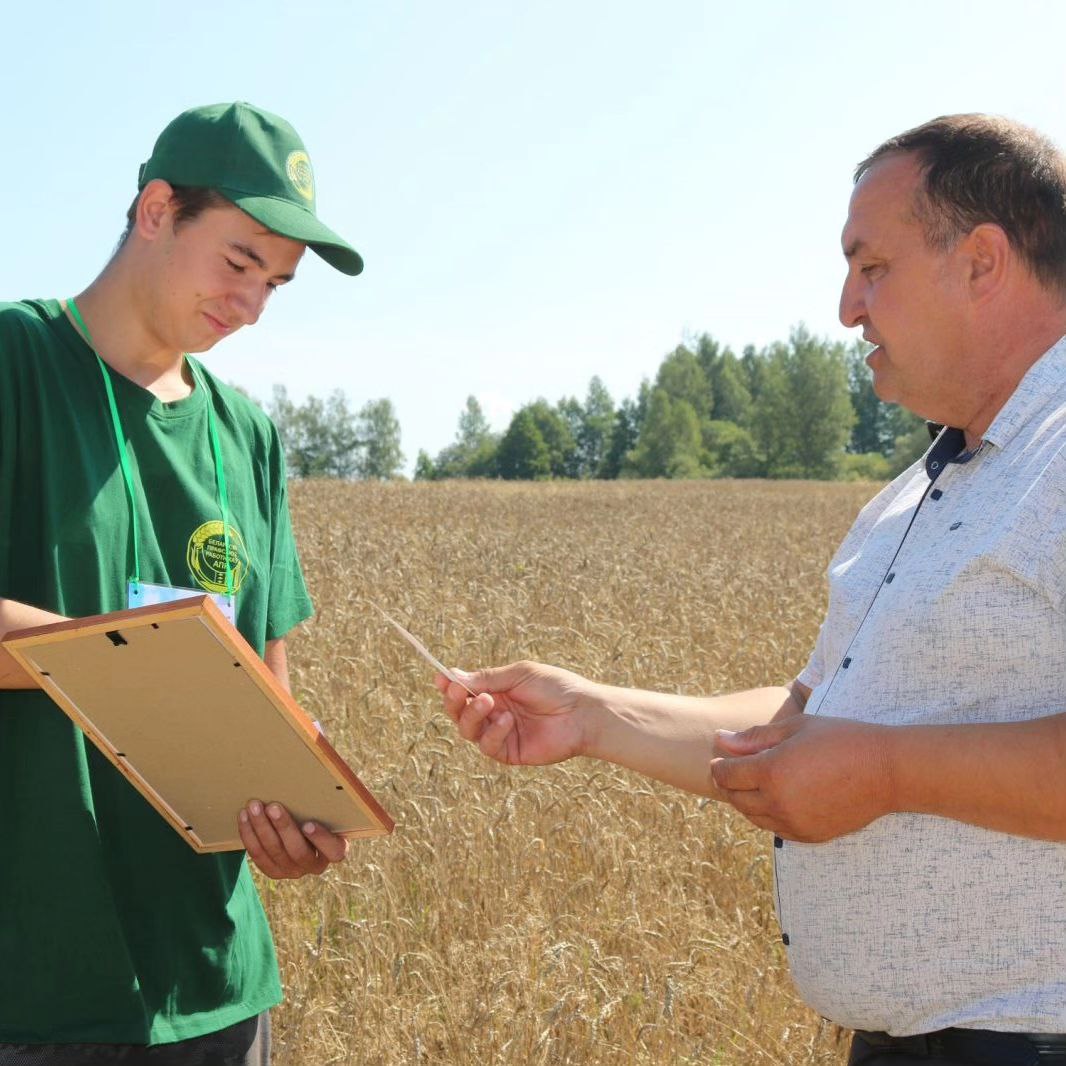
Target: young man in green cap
{"x": 128, "y": 471}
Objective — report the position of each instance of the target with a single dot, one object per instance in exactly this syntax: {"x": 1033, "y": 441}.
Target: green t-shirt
{"x": 112, "y": 929}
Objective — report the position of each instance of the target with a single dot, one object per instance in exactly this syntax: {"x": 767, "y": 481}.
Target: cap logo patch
{"x": 298, "y": 169}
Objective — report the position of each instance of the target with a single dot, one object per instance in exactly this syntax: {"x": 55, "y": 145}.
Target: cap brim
{"x": 290, "y": 220}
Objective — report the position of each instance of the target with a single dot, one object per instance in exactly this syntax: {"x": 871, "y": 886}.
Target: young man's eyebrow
{"x": 256, "y": 258}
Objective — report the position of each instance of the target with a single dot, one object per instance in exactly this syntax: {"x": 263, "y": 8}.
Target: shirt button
{"x": 890, "y": 579}
{"x": 784, "y": 939}
{"x": 778, "y": 842}
{"x": 936, "y": 494}
{"x": 846, "y": 663}
{"x": 955, "y": 525}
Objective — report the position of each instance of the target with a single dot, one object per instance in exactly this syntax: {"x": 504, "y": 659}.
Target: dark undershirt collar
{"x": 948, "y": 447}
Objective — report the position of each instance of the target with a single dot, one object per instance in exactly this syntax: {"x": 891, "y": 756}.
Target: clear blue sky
{"x": 542, "y": 191}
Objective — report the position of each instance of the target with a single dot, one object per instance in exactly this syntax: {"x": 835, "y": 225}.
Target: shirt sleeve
{"x": 813, "y": 673}
{"x": 288, "y": 602}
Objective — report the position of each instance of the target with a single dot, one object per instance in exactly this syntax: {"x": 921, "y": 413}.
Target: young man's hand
{"x": 281, "y": 848}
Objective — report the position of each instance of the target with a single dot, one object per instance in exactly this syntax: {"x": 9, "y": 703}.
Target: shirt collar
{"x": 1045, "y": 378}
{"x": 949, "y": 447}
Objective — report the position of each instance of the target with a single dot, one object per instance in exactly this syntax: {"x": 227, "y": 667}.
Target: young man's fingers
{"x": 300, "y": 855}
{"x": 254, "y": 846}
{"x": 268, "y": 851}
{"x": 330, "y": 846}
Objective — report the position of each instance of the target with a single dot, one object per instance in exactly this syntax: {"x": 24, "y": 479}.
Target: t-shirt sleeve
{"x": 288, "y": 602}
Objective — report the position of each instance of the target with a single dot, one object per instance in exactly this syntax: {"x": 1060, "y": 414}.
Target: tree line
{"x": 801, "y": 408}
{"x": 326, "y": 438}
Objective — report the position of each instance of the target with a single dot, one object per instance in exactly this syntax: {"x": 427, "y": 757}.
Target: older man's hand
{"x": 807, "y": 778}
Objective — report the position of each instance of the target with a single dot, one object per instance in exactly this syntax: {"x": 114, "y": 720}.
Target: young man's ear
{"x": 154, "y": 208}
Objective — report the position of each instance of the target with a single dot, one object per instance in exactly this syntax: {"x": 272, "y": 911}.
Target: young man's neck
{"x": 123, "y": 337}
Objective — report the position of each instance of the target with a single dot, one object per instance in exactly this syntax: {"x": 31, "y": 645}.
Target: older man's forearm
{"x": 1010, "y": 777}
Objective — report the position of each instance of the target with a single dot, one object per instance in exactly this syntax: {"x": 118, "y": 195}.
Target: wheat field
{"x": 569, "y": 914}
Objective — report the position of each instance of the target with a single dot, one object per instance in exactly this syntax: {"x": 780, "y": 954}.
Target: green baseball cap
{"x": 257, "y": 161}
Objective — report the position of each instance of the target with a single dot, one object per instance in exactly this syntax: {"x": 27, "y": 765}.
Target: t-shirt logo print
{"x": 206, "y": 556}
{"x": 298, "y": 168}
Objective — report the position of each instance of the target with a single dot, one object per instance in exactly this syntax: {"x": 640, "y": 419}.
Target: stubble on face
{"x": 899, "y": 290}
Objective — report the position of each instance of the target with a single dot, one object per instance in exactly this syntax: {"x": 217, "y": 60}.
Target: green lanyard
{"x": 124, "y": 459}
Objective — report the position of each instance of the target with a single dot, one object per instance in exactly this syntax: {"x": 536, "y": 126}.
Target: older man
{"x": 126, "y": 467}
{"x": 912, "y": 773}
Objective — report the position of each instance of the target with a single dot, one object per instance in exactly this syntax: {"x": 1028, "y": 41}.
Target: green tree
{"x": 731, "y": 392}
{"x": 868, "y": 433}
{"x": 864, "y": 466}
{"x": 482, "y": 463}
{"x": 522, "y": 454}
{"x": 474, "y": 428}
{"x": 450, "y": 462}
{"x": 424, "y": 467}
{"x": 753, "y": 365}
{"x": 803, "y": 416}
{"x": 558, "y": 439}
{"x": 473, "y": 453}
{"x": 594, "y": 434}
{"x": 682, "y": 378}
{"x": 909, "y": 447}
{"x": 640, "y": 408}
{"x": 878, "y": 425}
{"x": 572, "y": 415}
{"x": 380, "y": 457}
{"x": 729, "y": 382}
{"x": 321, "y": 438}
{"x": 624, "y": 434}
{"x": 709, "y": 354}
{"x": 731, "y": 451}
{"x": 670, "y": 442}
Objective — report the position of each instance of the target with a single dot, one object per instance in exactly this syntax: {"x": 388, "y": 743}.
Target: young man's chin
{"x": 198, "y": 348}
{"x": 206, "y": 341}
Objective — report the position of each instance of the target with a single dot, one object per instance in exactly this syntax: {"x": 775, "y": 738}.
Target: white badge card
{"x": 145, "y": 594}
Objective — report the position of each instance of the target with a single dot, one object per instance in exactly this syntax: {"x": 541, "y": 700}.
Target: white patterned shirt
{"x": 947, "y": 604}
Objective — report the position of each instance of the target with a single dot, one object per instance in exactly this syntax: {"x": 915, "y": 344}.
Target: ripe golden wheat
{"x": 569, "y": 914}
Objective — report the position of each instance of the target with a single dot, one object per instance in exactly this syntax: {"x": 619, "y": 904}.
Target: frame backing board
{"x": 180, "y": 703}
{"x": 12, "y": 674}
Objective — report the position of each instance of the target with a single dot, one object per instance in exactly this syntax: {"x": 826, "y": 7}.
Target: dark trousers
{"x": 245, "y": 1044}
{"x": 959, "y": 1047}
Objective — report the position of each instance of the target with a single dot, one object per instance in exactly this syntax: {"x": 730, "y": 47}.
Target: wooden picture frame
{"x": 183, "y": 707}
